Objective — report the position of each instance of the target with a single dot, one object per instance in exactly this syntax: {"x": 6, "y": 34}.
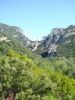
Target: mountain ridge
{"x": 56, "y": 37}
{"x": 46, "y": 47}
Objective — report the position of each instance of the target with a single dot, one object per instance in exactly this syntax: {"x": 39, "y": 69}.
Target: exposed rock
{"x": 57, "y": 36}
{"x": 3, "y": 38}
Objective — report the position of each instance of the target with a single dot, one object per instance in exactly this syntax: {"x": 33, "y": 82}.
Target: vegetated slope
{"x": 60, "y": 42}
{"x": 7, "y": 43}
{"x": 14, "y": 33}
{"x": 17, "y": 35}
{"x": 67, "y": 49}
{"x": 22, "y": 79}
{"x": 26, "y": 76}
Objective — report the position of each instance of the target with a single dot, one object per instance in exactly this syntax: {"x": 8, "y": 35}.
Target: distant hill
{"x": 14, "y": 33}
{"x": 60, "y": 41}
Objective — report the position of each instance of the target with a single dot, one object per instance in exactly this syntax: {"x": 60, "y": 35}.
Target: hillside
{"x": 14, "y": 33}
{"x": 25, "y": 75}
{"x": 60, "y": 41}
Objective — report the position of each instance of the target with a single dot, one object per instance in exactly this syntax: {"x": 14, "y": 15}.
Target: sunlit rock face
{"x": 56, "y": 37}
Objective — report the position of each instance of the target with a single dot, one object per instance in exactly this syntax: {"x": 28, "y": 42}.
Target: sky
{"x": 37, "y": 17}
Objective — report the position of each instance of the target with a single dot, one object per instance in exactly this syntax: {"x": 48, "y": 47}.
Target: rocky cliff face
{"x": 56, "y": 37}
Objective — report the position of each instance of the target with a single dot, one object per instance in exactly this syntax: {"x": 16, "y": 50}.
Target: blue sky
{"x": 37, "y": 17}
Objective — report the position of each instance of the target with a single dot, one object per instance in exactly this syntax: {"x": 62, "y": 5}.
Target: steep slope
{"x": 58, "y": 36}
{"x": 14, "y": 33}
{"x": 7, "y": 44}
{"x": 60, "y": 41}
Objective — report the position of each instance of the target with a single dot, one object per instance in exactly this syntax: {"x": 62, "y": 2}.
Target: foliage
{"x": 25, "y": 75}
{"x": 27, "y": 81}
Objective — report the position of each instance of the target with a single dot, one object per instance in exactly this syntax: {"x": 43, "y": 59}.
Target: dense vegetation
{"x": 25, "y": 77}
